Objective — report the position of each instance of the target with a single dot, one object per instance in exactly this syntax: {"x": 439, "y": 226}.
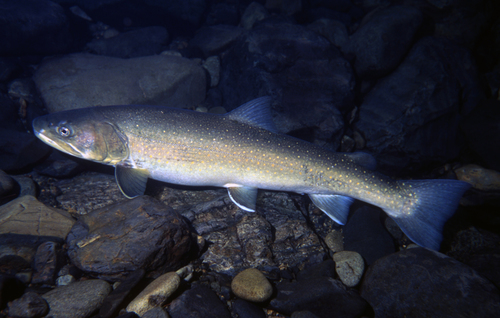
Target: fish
{"x": 243, "y": 151}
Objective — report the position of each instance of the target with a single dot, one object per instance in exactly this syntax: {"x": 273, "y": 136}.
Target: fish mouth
{"x": 40, "y": 133}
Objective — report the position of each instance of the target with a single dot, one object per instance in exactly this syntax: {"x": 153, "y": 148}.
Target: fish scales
{"x": 243, "y": 152}
{"x": 212, "y": 150}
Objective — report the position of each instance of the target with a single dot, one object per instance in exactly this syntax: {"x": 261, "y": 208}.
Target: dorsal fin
{"x": 256, "y": 112}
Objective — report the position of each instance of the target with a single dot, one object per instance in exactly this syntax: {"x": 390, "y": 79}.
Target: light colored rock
{"x": 349, "y": 266}
{"x": 155, "y": 294}
{"x": 480, "y": 178}
{"x": 26, "y": 215}
{"x": 86, "y": 80}
{"x": 252, "y": 285}
{"x": 77, "y": 300}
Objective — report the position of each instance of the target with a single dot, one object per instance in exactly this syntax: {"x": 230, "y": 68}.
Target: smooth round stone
{"x": 77, "y": 300}
{"x": 335, "y": 241}
{"x": 252, "y": 285}
{"x": 6, "y": 183}
{"x": 155, "y": 294}
{"x": 349, "y": 266}
{"x": 29, "y": 305}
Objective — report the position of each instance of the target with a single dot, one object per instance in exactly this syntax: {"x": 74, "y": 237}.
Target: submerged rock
{"x": 77, "y": 300}
{"x": 199, "y": 301}
{"x": 31, "y": 27}
{"x": 140, "y": 42}
{"x": 29, "y": 305}
{"x": 86, "y": 80}
{"x": 121, "y": 238}
{"x": 320, "y": 294}
{"x": 251, "y": 285}
{"x": 375, "y": 54}
{"x": 418, "y": 282}
{"x": 306, "y": 76}
{"x": 155, "y": 294}
{"x": 411, "y": 118}
{"x": 26, "y": 215}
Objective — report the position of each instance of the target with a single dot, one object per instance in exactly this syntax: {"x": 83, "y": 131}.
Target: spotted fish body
{"x": 243, "y": 152}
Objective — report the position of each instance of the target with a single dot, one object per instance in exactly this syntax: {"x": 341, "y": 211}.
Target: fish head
{"x": 81, "y": 133}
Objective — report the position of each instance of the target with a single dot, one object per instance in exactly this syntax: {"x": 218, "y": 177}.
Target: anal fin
{"x": 244, "y": 197}
{"x": 132, "y": 182}
{"x": 334, "y": 205}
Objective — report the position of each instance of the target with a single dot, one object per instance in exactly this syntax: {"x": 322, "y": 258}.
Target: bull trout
{"x": 243, "y": 151}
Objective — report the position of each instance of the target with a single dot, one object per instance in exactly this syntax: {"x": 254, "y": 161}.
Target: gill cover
{"x": 116, "y": 143}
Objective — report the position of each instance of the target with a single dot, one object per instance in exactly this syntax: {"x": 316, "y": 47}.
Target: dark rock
{"x": 306, "y": 76}
{"x": 365, "y": 233}
{"x": 13, "y": 264}
{"x": 245, "y": 309}
{"x": 422, "y": 283}
{"x": 88, "y": 192}
{"x": 19, "y": 149}
{"x": 463, "y": 22}
{"x": 128, "y": 315}
{"x": 321, "y": 13}
{"x": 8, "y": 66}
{"x": 303, "y": 314}
{"x": 382, "y": 41}
{"x": 58, "y": 165}
{"x": 17, "y": 251}
{"x": 486, "y": 264}
{"x": 320, "y": 295}
{"x": 77, "y": 300}
{"x": 140, "y": 42}
{"x": 323, "y": 269}
{"x": 278, "y": 235}
{"x": 26, "y": 186}
{"x": 115, "y": 299}
{"x": 121, "y": 238}
{"x": 213, "y": 40}
{"x": 30, "y": 305}
{"x": 333, "y": 30}
{"x": 33, "y": 27}
{"x": 222, "y": 13}
{"x": 253, "y": 13}
{"x": 483, "y": 133}
{"x": 255, "y": 236}
{"x": 198, "y": 302}
{"x": 10, "y": 289}
{"x": 9, "y": 114}
{"x": 190, "y": 11}
{"x": 46, "y": 263}
{"x": 410, "y": 118}
{"x": 7, "y": 184}
{"x": 337, "y": 5}
{"x": 157, "y": 312}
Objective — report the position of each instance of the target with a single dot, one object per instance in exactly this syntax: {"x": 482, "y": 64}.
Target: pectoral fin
{"x": 335, "y": 206}
{"x": 243, "y": 197}
{"x": 132, "y": 182}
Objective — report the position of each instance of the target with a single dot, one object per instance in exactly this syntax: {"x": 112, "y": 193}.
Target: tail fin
{"x": 433, "y": 202}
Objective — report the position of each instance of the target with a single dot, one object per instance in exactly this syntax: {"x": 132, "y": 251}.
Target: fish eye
{"x": 64, "y": 131}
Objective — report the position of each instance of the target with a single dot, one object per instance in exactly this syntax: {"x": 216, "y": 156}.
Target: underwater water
{"x": 412, "y": 85}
